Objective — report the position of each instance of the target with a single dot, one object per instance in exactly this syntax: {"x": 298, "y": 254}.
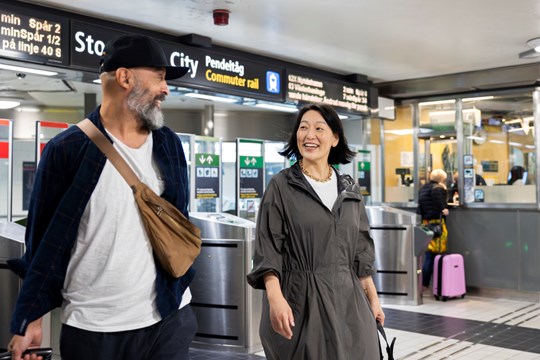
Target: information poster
{"x": 364, "y": 172}
{"x": 29, "y": 173}
{"x": 206, "y": 176}
{"x": 251, "y": 177}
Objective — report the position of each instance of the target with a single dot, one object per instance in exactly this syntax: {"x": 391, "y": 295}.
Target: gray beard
{"x": 148, "y": 112}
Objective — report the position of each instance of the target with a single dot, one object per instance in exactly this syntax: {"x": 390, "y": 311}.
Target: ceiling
{"x": 386, "y": 40}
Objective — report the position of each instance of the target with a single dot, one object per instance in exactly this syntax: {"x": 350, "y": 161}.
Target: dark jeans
{"x": 427, "y": 268}
{"x": 168, "y": 339}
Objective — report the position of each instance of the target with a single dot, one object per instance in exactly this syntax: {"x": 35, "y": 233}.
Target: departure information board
{"x": 32, "y": 38}
{"x": 306, "y": 88}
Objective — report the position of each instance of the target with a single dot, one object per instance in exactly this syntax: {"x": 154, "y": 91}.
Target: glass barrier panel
{"x": 398, "y": 157}
{"x": 274, "y": 162}
{"x": 228, "y": 177}
{"x": 6, "y": 174}
{"x": 437, "y": 139}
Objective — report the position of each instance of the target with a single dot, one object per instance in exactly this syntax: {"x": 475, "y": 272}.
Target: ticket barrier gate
{"x": 228, "y": 310}
{"x": 399, "y": 247}
{"x": 11, "y": 246}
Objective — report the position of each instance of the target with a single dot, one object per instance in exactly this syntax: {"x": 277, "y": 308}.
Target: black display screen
{"x": 32, "y": 36}
{"x": 306, "y": 88}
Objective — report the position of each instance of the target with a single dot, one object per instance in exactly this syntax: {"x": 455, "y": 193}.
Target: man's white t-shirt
{"x": 110, "y": 279}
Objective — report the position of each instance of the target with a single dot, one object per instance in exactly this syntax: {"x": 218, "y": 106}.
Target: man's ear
{"x": 123, "y": 77}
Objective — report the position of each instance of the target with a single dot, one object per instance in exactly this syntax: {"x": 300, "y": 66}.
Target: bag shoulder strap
{"x": 110, "y": 152}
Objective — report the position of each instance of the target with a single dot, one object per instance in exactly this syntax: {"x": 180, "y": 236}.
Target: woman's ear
{"x": 336, "y": 140}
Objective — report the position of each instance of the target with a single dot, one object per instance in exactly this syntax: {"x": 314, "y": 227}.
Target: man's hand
{"x": 32, "y": 338}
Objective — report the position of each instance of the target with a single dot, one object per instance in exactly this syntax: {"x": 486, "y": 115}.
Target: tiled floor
{"x": 473, "y": 328}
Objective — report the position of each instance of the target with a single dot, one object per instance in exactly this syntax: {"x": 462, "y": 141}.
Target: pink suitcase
{"x": 448, "y": 277}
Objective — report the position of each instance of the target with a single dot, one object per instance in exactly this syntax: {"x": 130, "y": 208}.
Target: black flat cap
{"x": 131, "y": 51}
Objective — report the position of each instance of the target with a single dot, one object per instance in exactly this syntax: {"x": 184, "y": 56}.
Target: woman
{"x": 313, "y": 254}
{"x": 432, "y": 207}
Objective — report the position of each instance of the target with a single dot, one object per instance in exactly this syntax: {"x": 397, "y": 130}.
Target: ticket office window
{"x": 496, "y": 144}
{"x": 503, "y": 146}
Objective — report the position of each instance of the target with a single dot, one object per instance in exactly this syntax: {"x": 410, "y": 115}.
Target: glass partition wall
{"x": 486, "y": 144}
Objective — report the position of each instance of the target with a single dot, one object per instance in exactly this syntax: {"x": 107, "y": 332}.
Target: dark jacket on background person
{"x": 432, "y": 200}
{"x": 318, "y": 255}
{"x": 69, "y": 169}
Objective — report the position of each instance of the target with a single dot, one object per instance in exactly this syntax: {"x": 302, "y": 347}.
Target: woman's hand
{"x": 281, "y": 315}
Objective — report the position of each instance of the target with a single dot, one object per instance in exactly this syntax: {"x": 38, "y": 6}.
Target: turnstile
{"x": 399, "y": 247}
{"x": 228, "y": 310}
{"x": 11, "y": 246}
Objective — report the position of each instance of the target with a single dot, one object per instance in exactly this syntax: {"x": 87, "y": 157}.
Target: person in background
{"x": 313, "y": 253}
{"x": 517, "y": 175}
{"x": 432, "y": 207}
{"x": 453, "y": 192}
{"x": 87, "y": 249}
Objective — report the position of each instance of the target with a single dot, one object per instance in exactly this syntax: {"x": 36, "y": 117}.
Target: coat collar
{"x": 346, "y": 184}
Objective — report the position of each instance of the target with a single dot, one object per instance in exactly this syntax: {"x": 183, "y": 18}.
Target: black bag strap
{"x": 389, "y": 347}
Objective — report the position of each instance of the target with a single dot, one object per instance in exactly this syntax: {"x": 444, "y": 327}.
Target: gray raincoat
{"x": 318, "y": 256}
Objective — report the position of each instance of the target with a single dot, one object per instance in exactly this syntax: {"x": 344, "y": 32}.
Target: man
{"x": 87, "y": 250}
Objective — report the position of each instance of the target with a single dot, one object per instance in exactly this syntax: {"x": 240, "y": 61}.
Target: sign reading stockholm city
{"x": 32, "y": 36}
{"x": 208, "y": 70}
{"x": 341, "y": 95}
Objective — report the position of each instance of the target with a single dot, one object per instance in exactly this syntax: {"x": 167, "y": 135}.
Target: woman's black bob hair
{"x": 341, "y": 154}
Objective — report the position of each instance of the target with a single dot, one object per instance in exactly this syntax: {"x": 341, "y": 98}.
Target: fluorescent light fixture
{"x": 478, "y": 98}
{"x": 8, "y": 104}
{"x": 27, "y": 70}
{"x": 472, "y": 137}
{"x": 515, "y": 129}
{"x": 512, "y": 143}
{"x": 438, "y": 102}
{"x": 29, "y": 109}
{"x": 497, "y": 141}
{"x": 277, "y": 107}
{"x": 515, "y": 121}
{"x": 445, "y": 112}
{"x": 399, "y": 132}
{"x": 530, "y": 146}
{"x": 210, "y": 97}
{"x": 343, "y": 117}
{"x": 97, "y": 81}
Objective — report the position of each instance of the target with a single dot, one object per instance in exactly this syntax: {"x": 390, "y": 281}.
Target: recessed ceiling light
{"x": 535, "y": 44}
{"x": 210, "y": 97}
{"x": 27, "y": 70}
{"x": 9, "y": 104}
{"x": 277, "y": 107}
{"x": 534, "y": 52}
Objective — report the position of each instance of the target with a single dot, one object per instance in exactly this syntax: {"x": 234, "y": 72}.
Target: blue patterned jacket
{"x": 67, "y": 174}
